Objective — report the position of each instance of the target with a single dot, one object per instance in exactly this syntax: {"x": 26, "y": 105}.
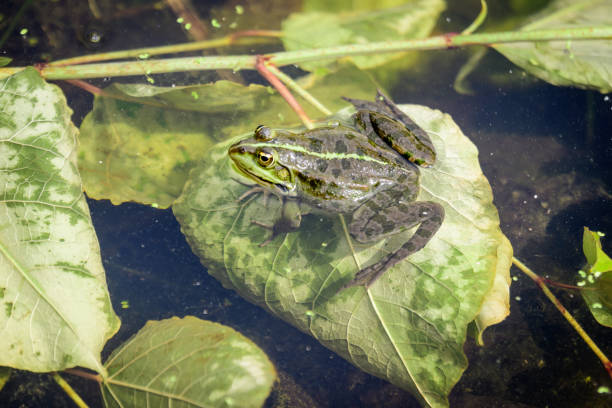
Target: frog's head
{"x": 257, "y": 158}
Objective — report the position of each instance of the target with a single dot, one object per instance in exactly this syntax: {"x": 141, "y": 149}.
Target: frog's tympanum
{"x": 368, "y": 172}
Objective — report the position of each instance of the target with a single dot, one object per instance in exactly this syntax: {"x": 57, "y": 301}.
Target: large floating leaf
{"x": 584, "y": 64}
{"x": 361, "y": 24}
{"x": 187, "y": 363}
{"x": 410, "y": 326}
{"x": 140, "y": 144}
{"x": 597, "y": 279}
{"x": 56, "y": 312}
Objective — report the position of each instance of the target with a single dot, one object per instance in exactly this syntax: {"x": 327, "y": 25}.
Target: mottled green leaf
{"x": 140, "y": 144}
{"x": 4, "y": 61}
{"x": 55, "y": 310}
{"x": 583, "y": 64}
{"x": 319, "y": 29}
{"x": 411, "y": 325}
{"x": 187, "y": 363}
{"x": 597, "y": 280}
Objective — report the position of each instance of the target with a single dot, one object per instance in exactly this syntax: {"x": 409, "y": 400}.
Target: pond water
{"x": 545, "y": 150}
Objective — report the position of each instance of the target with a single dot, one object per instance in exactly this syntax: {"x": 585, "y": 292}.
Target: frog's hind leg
{"x": 397, "y": 113}
{"x": 362, "y": 119}
{"x": 426, "y": 213}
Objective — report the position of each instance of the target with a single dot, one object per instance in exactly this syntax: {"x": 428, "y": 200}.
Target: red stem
{"x": 260, "y": 65}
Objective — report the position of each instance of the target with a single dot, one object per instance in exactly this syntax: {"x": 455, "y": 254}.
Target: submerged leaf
{"x": 359, "y": 25}
{"x": 56, "y": 311}
{"x": 410, "y": 326}
{"x": 584, "y": 64}
{"x": 187, "y": 363}
{"x": 597, "y": 280}
{"x": 140, "y": 143}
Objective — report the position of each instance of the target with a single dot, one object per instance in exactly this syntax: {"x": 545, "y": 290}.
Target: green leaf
{"x": 187, "y": 363}
{"x": 590, "y": 240}
{"x": 583, "y": 64}
{"x": 597, "y": 281}
{"x": 410, "y": 326}
{"x": 55, "y": 308}
{"x": 140, "y": 144}
{"x": 4, "y": 61}
{"x": 319, "y": 29}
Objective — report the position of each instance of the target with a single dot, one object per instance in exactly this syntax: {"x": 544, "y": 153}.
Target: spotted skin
{"x": 368, "y": 172}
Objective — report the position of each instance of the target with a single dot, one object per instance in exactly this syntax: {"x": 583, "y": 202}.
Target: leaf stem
{"x": 237, "y": 62}
{"x": 84, "y": 374}
{"x": 479, "y": 19}
{"x": 264, "y": 68}
{"x": 248, "y": 37}
{"x": 70, "y": 391}
{"x": 587, "y": 339}
{"x": 287, "y": 80}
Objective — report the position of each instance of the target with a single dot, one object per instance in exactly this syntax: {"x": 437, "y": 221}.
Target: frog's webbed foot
{"x": 426, "y": 213}
{"x": 266, "y": 226}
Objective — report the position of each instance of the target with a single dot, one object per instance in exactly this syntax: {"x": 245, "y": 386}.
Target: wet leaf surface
{"x": 56, "y": 311}
{"x": 187, "y": 363}
{"x": 597, "y": 280}
{"x": 584, "y": 64}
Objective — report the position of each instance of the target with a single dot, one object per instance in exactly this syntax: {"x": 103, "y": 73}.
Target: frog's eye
{"x": 263, "y": 133}
{"x": 265, "y": 159}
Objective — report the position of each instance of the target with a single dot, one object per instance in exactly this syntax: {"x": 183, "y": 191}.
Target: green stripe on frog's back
{"x": 321, "y": 155}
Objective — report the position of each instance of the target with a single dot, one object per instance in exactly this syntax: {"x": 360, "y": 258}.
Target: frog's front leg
{"x": 289, "y": 221}
{"x": 371, "y": 223}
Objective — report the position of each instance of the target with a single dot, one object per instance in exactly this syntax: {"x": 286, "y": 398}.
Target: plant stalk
{"x": 587, "y": 339}
{"x": 237, "y": 62}
{"x": 70, "y": 391}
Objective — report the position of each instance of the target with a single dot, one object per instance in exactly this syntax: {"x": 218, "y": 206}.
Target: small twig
{"x": 564, "y": 285}
{"x": 70, "y": 391}
{"x": 261, "y": 66}
{"x": 540, "y": 282}
{"x": 184, "y": 10}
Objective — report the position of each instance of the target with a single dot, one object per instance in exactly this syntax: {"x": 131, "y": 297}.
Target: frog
{"x": 366, "y": 170}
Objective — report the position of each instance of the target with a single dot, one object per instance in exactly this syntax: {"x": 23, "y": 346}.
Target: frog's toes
{"x": 256, "y": 190}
